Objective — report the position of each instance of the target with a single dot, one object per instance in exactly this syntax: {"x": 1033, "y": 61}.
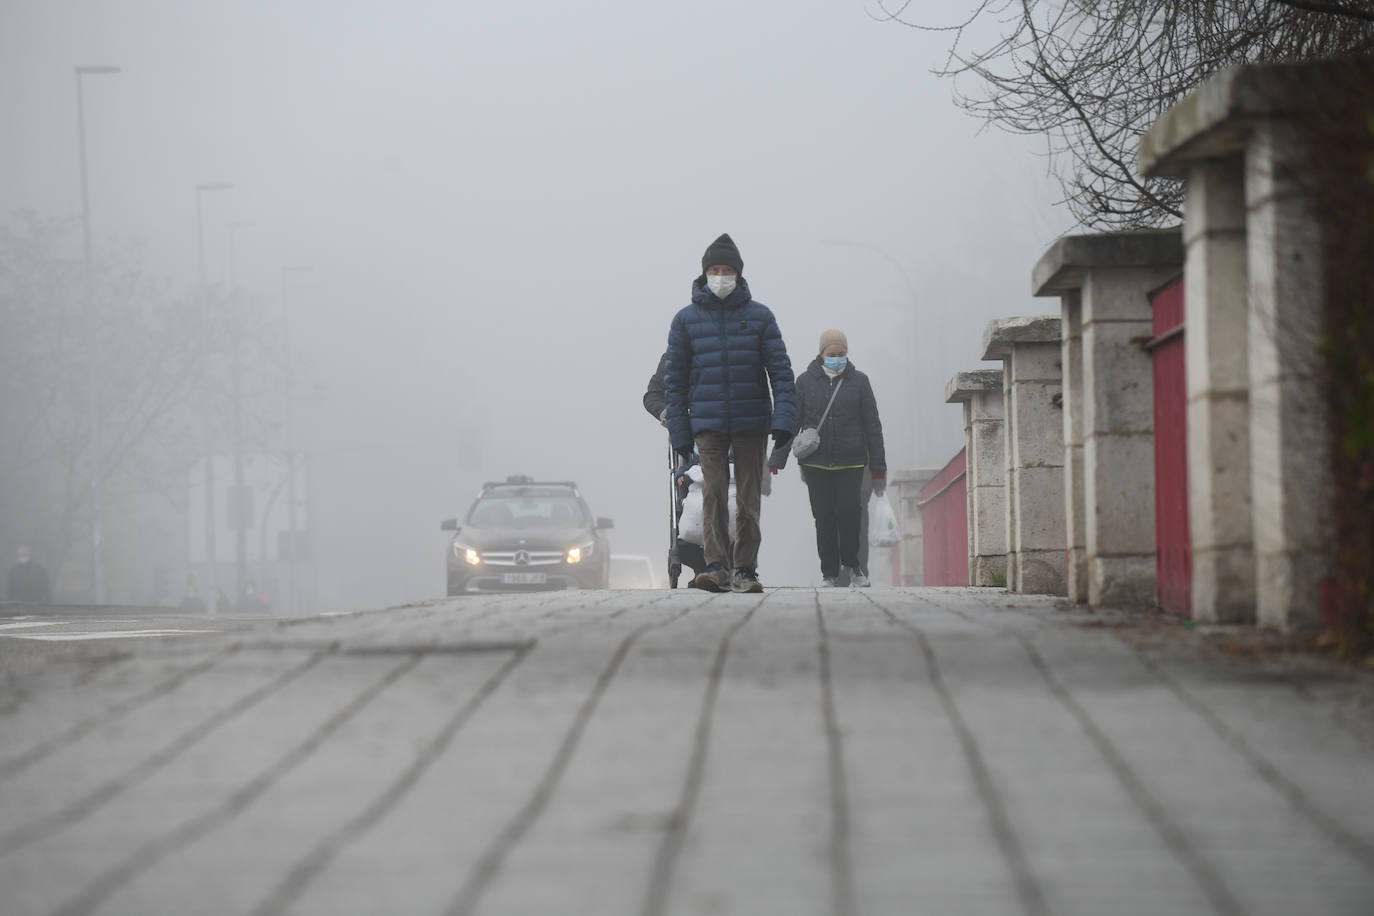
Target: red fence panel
{"x": 944, "y": 524}
{"x": 1174, "y": 553}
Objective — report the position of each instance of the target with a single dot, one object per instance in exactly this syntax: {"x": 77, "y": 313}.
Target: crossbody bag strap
{"x": 830, "y": 402}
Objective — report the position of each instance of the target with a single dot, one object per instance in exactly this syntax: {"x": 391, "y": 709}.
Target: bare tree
{"x": 160, "y": 363}
{"x": 1090, "y": 77}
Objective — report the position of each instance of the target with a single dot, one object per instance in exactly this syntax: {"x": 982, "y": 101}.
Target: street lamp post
{"x": 93, "y": 382}
{"x": 915, "y": 394}
{"x": 236, "y": 374}
{"x": 290, "y": 441}
{"x": 211, "y": 555}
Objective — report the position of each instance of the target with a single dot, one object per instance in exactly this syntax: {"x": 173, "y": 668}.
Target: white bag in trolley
{"x": 691, "y": 527}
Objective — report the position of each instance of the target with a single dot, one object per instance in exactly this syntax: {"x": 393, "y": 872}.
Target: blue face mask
{"x": 835, "y": 363}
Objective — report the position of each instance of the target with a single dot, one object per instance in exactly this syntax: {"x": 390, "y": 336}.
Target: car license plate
{"x": 523, "y": 578}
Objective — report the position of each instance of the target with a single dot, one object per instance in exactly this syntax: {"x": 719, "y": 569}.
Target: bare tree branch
{"x": 1092, "y": 76}
{"x": 1353, "y": 10}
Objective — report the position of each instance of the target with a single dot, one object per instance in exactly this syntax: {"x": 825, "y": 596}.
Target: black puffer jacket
{"x": 852, "y": 434}
{"x": 655, "y": 396}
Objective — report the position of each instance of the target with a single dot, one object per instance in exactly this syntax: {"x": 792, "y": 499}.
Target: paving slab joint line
{"x": 43, "y": 749}
{"x": 317, "y": 859}
{"x": 601, "y": 620}
{"x": 670, "y": 847}
{"x": 992, "y": 627}
{"x": 460, "y": 646}
{"x": 1031, "y": 895}
{"x": 1174, "y": 838}
{"x": 489, "y": 865}
{"x": 107, "y": 791}
{"x": 841, "y": 855}
{"x": 109, "y": 882}
{"x": 1355, "y": 846}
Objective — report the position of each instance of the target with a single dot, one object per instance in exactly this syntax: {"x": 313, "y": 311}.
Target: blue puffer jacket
{"x": 728, "y": 369}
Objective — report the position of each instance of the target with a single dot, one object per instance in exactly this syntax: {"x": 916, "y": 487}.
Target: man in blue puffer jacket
{"x": 728, "y": 385}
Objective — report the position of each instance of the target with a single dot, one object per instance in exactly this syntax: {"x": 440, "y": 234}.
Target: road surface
{"x": 879, "y": 751}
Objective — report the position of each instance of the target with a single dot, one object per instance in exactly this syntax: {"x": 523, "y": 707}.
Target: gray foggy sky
{"x": 503, "y": 204}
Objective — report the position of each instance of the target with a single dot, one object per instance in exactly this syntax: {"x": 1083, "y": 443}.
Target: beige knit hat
{"x": 833, "y": 336}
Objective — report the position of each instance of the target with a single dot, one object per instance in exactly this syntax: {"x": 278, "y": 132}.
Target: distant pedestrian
{"x": 851, "y": 439}
{"x": 727, "y": 384}
{"x": 191, "y": 602}
{"x": 253, "y": 601}
{"x": 28, "y": 580}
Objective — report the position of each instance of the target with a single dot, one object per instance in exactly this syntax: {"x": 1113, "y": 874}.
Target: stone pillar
{"x": 1258, "y": 444}
{"x": 1032, "y": 381}
{"x": 1186, "y": 143}
{"x": 980, "y": 391}
{"x": 1104, "y": 282}
{"x": 1215, "y": 342}
{"x": 1075, "y": 508}
{"x": 906, "y": 486}
{"x": 1290, "y": 482}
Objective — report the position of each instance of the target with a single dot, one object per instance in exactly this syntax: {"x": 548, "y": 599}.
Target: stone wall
{"x": 1103, "y": 283}
{"x": 980, "y": 393}
{"x": 1032, "y": 389}
{"x": 1258, "y": 442}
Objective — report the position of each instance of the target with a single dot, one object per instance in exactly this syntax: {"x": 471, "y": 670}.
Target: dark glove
{"x": 685, "y": 453}
{"x": 781, "y": 437}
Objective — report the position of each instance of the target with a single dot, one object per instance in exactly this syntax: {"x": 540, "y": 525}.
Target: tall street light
{"x": 241, "y": 503}
{"x": 93, "y": 381}
{"x": 915, "y": 394}
{"x": 290, "y": 442}
{"x": 211, "y": 555}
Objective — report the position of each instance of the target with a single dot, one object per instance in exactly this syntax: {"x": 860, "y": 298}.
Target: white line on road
{"x": 30, "y": 624}
{"x": 105, "y": 634}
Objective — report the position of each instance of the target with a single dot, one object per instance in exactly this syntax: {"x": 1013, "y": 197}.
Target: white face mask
{"x": 721, "y": 286}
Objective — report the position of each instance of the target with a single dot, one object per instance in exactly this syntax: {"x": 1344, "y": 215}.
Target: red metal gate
{"x": 944, "y": 525}
{"x": 1174, "y": 552}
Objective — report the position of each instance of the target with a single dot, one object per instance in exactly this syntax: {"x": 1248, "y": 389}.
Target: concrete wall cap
{"x": 912, "y": 475}
{"x": 1002, "y": 333}
{"x": 1064, "y": 265}
{"x": 963, "y": 386}
{"x": 1215, "y": 120}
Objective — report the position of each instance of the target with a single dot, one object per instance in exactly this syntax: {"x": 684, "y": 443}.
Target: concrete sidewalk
{"x": 913, "y": 751}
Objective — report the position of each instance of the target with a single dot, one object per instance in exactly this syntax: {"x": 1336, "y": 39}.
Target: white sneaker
{"x": 827, "y": 582}
{"x": 857, "y": 579}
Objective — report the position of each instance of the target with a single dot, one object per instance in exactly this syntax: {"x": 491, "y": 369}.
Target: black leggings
{"x": 837, "y": 509}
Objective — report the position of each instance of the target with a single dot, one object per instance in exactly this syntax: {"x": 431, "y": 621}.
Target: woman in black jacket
{"x": 851, "y": 439}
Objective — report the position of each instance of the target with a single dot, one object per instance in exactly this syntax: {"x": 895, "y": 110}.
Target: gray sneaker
{"x": 746, "y": 581}
{"x": 714, "y": 579}
{"x": 827, "y": 581}
{"x": 857, "y": 579}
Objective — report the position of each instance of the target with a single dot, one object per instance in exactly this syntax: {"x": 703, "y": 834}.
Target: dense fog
{"x": 460, "y": 231}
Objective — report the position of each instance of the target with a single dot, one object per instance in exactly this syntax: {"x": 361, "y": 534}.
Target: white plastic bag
{"x": 691, "y": 526}
{"x": 883, "y": 530}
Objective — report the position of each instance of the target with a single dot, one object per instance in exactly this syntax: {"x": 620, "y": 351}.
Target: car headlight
{"x": 467, "y": 554}
{"x": 580, "y": 552}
